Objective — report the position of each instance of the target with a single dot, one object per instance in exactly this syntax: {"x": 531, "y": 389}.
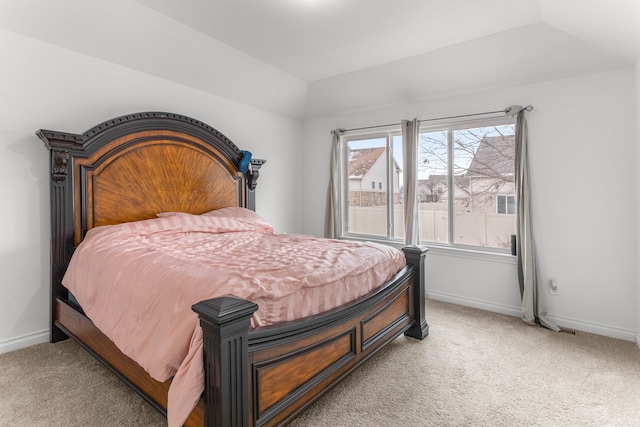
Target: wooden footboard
{"x": 268, "y": 375}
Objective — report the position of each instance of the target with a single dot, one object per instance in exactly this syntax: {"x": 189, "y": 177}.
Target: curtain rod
{"x": 527, "y": 108}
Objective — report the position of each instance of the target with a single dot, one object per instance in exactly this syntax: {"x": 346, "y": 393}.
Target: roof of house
{"x": 362, "y": 159}
{"x": 494, "y": 157}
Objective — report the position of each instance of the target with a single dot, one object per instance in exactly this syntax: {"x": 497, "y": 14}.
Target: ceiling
{"x": 314, "y": 58}
{"x": 318, "y": 39}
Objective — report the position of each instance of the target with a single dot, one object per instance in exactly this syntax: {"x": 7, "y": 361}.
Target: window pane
{"x": 502, "y": 205}
{"x": 367, "y": 205}
{"x": 483, "y": 171}
{"x": 433, "y": 214}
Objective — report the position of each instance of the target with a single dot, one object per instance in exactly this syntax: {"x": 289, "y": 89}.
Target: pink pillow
{"x": 230, "y": 212}
{"x": 243, "y": 214}
{"x": 234, "y": 212}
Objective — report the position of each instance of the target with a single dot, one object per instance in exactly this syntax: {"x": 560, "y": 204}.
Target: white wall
{"x": 130, "y": 34}
{"x": 44, "y": 86}
{"x": 582, "y": 149}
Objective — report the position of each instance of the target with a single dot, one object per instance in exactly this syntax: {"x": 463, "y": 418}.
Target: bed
{"x": 132, "y": 168}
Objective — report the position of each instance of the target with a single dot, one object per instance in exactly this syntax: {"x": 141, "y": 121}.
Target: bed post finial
{"x": 254, "y": 172}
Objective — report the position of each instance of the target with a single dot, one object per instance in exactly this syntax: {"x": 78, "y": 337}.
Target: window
{"x": 506, "y": 204}
{"x": 465, "y": 183}
{"x": 372, "y": 158}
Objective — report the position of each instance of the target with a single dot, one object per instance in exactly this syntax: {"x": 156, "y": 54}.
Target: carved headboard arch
{"x": 133, "y": 167}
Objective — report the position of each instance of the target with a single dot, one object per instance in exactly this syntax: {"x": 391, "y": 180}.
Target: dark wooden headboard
{"x": 133, "y": 167}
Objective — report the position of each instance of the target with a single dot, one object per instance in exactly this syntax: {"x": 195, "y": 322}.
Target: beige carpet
{"x": 475, "y": 369}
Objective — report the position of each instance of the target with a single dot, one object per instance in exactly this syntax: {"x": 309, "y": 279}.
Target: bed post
{"x": 62, "y": 147}
{"x": 225, "y": 324}
{"x": 415, "y": 256}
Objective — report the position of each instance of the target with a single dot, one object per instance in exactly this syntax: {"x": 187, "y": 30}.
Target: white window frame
{"x": 389, "y": 133}
{"x": 451, "y": 126}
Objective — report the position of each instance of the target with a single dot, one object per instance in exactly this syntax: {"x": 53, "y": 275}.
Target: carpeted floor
{"x": 475, "y": 369}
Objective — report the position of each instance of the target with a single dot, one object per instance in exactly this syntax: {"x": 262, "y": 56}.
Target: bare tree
{"x": 483, "y": 164}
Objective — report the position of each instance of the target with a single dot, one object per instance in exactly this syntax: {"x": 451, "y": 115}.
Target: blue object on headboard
{"x": 245, "y": 161}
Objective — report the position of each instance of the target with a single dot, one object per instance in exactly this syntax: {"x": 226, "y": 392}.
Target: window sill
{"x": 448, "y": 251}
{"x": 506, "y": 258}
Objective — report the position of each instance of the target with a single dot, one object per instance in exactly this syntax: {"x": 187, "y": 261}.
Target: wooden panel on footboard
{"x": 280, "y": 381}
{"x": 288, "y": 377}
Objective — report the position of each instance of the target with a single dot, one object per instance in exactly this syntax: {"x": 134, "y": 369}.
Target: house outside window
{"x": 465, "y": 183}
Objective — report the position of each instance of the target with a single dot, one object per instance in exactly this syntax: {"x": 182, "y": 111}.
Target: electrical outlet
{"x": 553, "y": 287}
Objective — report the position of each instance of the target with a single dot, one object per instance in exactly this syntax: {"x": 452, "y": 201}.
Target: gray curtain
{"x": 410, "y": 134}
{"x": 332, "y": 214}
{"x": 531, "y": 290}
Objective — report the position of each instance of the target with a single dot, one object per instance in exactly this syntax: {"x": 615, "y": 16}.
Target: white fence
{"x": 471, "y": 228}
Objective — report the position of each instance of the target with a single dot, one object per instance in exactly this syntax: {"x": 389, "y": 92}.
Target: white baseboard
{"x": 563, "y": 322}
{"x": 479, "y": 304}
{"x": 593, "y": 328}
{"x": 24, "y": 341}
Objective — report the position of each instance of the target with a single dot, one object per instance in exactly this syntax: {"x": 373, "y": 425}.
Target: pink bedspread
{"x": 137, "y": 282}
